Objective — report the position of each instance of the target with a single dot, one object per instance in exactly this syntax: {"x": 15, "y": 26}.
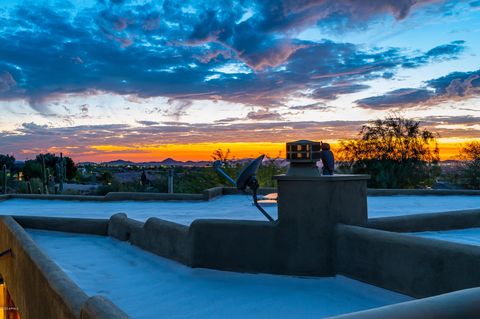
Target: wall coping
{"x": 324, "y": 178}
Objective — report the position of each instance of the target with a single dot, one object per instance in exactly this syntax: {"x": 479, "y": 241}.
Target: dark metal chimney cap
{"x": 303, "y": 151}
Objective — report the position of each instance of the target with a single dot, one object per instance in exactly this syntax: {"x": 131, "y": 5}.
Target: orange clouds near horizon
{"x": 449, "y": 149}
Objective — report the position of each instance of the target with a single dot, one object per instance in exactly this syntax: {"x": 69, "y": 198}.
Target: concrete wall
{"x": 463, "y": 304}
{"x": 112, "y": 196}
{"x": 164, "y": 238}
{"x": 261, "y": 191}
{"x": 380, "y": 191}
{"x": 119, "y": 196}
{"x": 421, "y": 192}
{"x": 419, "y": 267}
{"x": 57, "y": 197}
{"x": 158, "y": 236}
{"x": 425, "y": 222}
{"x": 246, "y": 246}
{"x": 71, "y": 225}
{"x": 39, "y": 288}
{"x": 99, "y": 307}
{"x": 213, "y": 192}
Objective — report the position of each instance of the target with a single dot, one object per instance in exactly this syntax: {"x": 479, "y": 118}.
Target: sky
{"x": 146, "y": 80}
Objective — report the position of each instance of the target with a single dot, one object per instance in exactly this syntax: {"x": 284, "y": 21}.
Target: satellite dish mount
{"x": 247, "y": 178}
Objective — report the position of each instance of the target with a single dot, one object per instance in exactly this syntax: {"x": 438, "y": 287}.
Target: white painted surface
{"x": 470, "y": 236}
{"x": 382, "y": 206}
{"x": 225, "y": 207}
{"x": 148, "y": 286}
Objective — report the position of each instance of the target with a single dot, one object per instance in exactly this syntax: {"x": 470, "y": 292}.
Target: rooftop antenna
{"x": 247, "y": 178}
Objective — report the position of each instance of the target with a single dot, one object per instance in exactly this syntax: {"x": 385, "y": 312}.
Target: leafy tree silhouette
{"x": 395, "y": 151}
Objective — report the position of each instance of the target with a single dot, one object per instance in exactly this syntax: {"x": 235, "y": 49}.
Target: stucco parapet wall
{"x": 241, "y": 245}
{"x": 235, "y": 191}
{"x": 65, "y": 224}
{"x": 238, "y": 245}
{"x": 112, "y": 196}
{"x": 211, "y": 193}
{"x": 38, "y": 286}
{"x": 57, "y": 197}
{"x": 415, "y": 266}
{"x": 117, "y": 196}
{"x": 324, "y": 178}
{"x": 99, "y": 307}
{"x": 425, "y": 222}
{"x": 421, "y": 192}
{"x": 463, "y": 304}
{"x": 161, "y": 237}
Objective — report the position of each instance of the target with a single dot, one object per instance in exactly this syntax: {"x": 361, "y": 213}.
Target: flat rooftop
{"x": 145, "y": 285}
{"x": 224, "y": 207}
{"x": 469, "y": 236}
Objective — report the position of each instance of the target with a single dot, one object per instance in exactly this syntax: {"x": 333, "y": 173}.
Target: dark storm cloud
{"x": 263, "y": 115}
{"x": 173, "y": 49}
{"x": 454, "y": 86}
{"x": 332, "y": 92}
{"x": 148, "y": 123}
{"x": 439, "y": 53}
{"x": 457, "y": 84}
{"x": 397, "y": 98}
{"x": 319, "y": 106}
{"x": 452, "y": 120}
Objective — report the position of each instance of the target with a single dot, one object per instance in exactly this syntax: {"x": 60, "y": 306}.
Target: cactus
{"x": 44, "y": 176}
{"x": 61, "y": 172}
{"x": 4, "y": 179}
{"x": 170, "y": 181}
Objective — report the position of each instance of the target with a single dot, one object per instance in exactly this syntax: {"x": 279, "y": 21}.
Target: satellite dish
{"x": 248, "y": 172}
{"x": 247, "y": 178}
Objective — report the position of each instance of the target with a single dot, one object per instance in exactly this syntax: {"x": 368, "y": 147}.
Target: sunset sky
{"x": 145, "y": 80}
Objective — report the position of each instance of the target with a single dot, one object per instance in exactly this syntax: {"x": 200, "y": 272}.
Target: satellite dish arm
{"x": 253, "y": 185}
{"x": 246, "y": 179}
{"x": 217, "y": 166}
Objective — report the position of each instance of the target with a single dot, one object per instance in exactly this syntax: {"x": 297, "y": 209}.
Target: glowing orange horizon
{"x": 449, "y": 149}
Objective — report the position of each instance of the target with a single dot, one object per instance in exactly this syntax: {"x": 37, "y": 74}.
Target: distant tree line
{"x": 30, "y": 175}
{"x": 467, "y": 175}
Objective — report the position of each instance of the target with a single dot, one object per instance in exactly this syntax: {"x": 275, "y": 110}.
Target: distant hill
{"x": 118, "y": 162}
{"x": 166, "y": 162}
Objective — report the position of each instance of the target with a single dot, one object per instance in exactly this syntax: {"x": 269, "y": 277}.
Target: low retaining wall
{"x": 119, "y": 196}
{"x": 57, "y": 197}
{"x": 214, "y": 192}
{"x": 245, "y": 246}
{"x": 158, "y": 236}
{"x": 164, "y": 238}
{"x": 211, "y": 193}
{"x": 418, "y": 267}
{"x": 460, "y": 304}
{"x": 39, "y": 288}
{"x": 420, "y": 192}
{"x": 261, "y": 191}
{"x": 111, "y": 197}
{"x": 425, "y": 222}
{"x": 64, "y": 224}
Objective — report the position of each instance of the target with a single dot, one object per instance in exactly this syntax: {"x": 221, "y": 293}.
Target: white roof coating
{"x": 470, "y": 236}
{"x": 148, "y": 286}
{"x": 225, "y": 207}
{"x": 383, "y": 206}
